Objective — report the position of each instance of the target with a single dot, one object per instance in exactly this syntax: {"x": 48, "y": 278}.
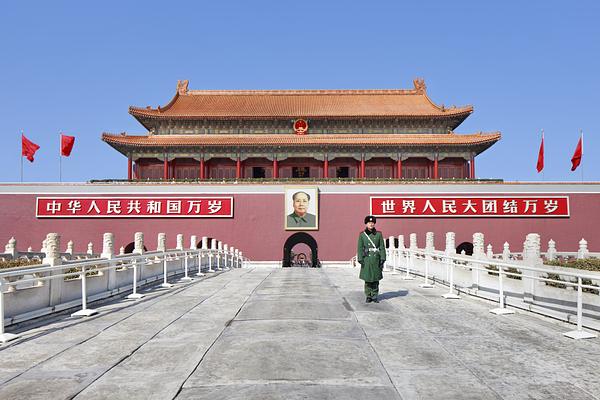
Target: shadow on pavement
{"x": 391, "y": 295}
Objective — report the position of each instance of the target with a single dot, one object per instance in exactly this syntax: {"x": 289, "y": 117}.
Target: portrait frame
{"x": 312, "y": 213}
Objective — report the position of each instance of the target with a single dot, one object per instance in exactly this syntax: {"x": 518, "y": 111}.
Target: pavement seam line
{"x": 152, "y": 302}
{"x": 153, "y": 336}
{"x": 422, "y": 329}
{"x": 220, "y": 334}
{"x": 355, "y": 319}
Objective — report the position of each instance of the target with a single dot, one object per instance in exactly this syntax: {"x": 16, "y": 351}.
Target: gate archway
{"x": 296, "y": 238}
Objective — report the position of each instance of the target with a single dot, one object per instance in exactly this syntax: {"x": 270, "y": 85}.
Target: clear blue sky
{"x": 77, "y": 66}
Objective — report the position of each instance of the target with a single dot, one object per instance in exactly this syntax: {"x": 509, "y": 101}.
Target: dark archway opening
{"x": 296, "y": 238}
{"x": 129, "y": 248}
{"x": 467, "y": 247}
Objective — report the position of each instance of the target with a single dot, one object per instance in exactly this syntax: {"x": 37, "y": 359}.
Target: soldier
{"x": 371, "y": 256}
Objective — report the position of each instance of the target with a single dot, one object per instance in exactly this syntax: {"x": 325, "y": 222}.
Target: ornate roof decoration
{"x": 273, "y": 104}
{"x": 182, "y": 87}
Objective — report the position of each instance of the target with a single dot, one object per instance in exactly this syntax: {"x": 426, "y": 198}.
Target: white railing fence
{"x": 524, "y": 282}
{"x": 59, "y": 284}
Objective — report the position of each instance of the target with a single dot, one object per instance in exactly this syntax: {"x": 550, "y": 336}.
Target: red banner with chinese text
{"x": 462, "y": 206}
{"x": 134, "y": 207}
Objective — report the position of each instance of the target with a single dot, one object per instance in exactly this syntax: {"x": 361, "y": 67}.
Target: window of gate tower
{"x": 258, "y": 172}
{"x": 300, "y": 172}
{"x": 342, "y": 172}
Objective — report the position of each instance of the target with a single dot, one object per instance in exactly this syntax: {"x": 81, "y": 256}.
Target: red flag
{"x": 576, "y": 159}
{"x": 28, "y": 148}
{"x": 66, "y": 144}
{"x": 540, "y": 161}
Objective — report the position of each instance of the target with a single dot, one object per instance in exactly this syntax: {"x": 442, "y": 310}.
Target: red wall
{"x": 257, "y": 226}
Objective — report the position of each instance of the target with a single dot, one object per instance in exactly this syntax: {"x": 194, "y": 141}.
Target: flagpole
{"x": 22, "y": 134}
{"x": 543, "y": 177}
{"x": 59, "y": 157}
{"x": 581, "y": 133}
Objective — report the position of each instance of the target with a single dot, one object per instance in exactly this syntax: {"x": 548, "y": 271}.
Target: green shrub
{"x": 17, "y": 263}
{"x": 588, "y": 264}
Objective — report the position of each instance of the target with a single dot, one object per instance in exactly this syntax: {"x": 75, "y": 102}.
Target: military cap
{"x": 370, "y": 218}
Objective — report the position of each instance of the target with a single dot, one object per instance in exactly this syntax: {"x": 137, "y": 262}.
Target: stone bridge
{"x": 266, "y": 333}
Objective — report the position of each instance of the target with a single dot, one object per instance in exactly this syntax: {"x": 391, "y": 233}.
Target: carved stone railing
{"x": 60, "y": 283}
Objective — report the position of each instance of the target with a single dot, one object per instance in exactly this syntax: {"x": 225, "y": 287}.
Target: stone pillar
{"x": 391, "y": 252}
{"x": 551, "y": 253}
{"x": 204, "y": 243}
{"x": 138, "y": 243}
{"x": 225, "y": 258}
{"x": 232, "y": 256}
{"x": 193, "y": 242}
{"x": 30, "y": 249}
{"x": 211, "y": 254}
{"x": 401, "y": 242}
{"x": 429, "y": 241}
{"x": 506, "y": 252}
{"x": 478, "y": 254}
{"x": 413, "y": 241}
{"x": 53, "y": 258}
{"x": 450, "y": 243}
{"x": 69, "y": 247}
{"x": 219, "y": 255}
{"x": 162, "y": 242}
{"x": 583, "y": 249}
{"x": 52, "y": 249}
{"x": 43, "y": 249}
{"x": 179, "y": 242}
{"x": 532, "y": 258}
{"x": 478, "y": 245}
{"x": 11, "y": 247}
{"x": 241, "y": 259}
{"x": 490, "y": 253}
{"x": 108, "y": 250}
{"x": 122, "y": 251}
{"x": 90, "y": 248}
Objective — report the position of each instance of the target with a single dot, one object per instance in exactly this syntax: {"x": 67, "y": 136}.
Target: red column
{"x": 238, "y": 168}
{"x": 436, "y": 173}
{"x": 166, "y": 169}
{"x": 326, "y": 168}
{"x": 362, "y": 166}
{"x": 275, "y": 171}
{"x": 129, "y": 167}
{"x": 472, "y": 172}
{"x": 399, "y": 169}
{"x": 202, "y": 167}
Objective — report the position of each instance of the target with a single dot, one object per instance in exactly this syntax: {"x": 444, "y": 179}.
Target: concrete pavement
{"x": 267, "y": 333}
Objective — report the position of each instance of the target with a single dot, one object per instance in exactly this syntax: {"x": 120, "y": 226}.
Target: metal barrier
{"x": 37, "y": 275}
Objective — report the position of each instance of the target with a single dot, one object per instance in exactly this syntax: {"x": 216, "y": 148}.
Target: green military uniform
{"x": 371, "y": 259}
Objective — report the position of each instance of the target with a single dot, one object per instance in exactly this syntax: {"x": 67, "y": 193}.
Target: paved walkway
{"x": 299, "y": 334}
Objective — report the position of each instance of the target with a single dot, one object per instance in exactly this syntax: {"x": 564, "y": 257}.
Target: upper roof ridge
{"x": 275, "y": 92}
